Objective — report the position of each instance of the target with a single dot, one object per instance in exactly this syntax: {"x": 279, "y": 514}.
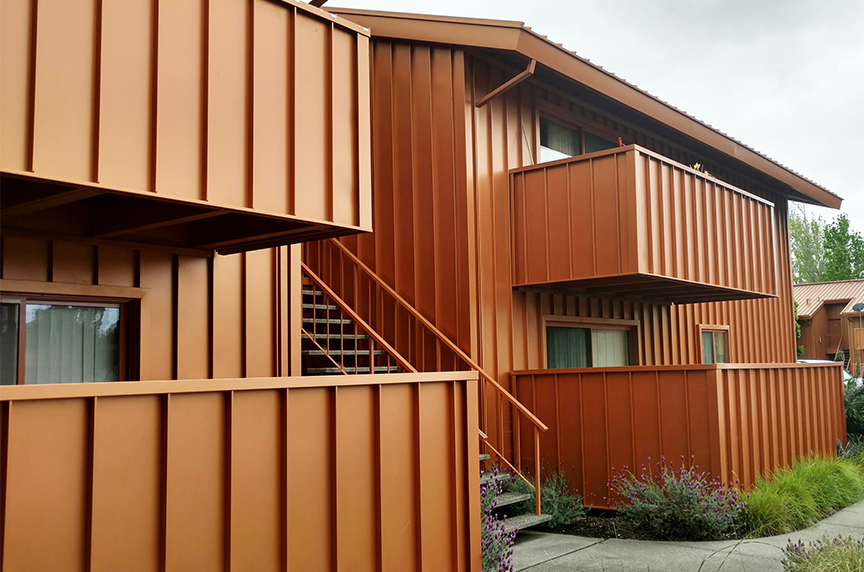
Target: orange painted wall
{"x": 736, "y": 422}
{"x": 311, "y": 474}
{"x": 225, "y": 316}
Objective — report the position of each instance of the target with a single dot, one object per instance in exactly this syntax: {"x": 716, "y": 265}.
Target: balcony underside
{"x": 643, "y": 287}
{"x": 33, "y": 206}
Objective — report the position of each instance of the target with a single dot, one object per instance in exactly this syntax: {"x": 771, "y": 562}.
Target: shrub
{"x": 854, "y": 394}
{"x": 496, "y": 544}
{"x": 824, "y": 555}
{"x": 680, "y": 504}
{"x": 797, "y": 497}
{"x": 854, "y": 450}
{"x": 555, "y": 497}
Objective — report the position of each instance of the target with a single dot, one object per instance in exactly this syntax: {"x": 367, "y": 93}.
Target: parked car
{"x": 847, "y": 377}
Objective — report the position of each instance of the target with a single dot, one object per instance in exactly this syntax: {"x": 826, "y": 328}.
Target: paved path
{"x": 545, "y": 552}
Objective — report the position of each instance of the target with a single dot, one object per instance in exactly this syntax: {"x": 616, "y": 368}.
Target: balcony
{"x": 177, "y": 126}
{"x": 632, "y": 224}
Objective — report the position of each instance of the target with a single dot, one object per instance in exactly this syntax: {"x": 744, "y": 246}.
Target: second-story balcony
{"x": 632, "y": 224}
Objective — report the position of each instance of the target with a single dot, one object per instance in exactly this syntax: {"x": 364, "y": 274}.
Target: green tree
{"x": 844, "y": 251}
{"x": 807, "y": 242}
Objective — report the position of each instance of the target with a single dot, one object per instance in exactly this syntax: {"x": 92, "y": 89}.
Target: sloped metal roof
{"x": 811, "y": 297}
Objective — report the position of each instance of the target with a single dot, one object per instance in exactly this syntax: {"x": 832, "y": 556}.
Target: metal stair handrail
{"x": 486, "y": 377}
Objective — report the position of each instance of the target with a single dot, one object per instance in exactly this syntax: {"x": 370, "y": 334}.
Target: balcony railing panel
{"x": 241, "y": 474}
{"x": 631, "y": 223}
{"x": 736, "y": 421}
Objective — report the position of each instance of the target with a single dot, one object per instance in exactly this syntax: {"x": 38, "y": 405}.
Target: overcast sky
{"x": 785, "y": 77}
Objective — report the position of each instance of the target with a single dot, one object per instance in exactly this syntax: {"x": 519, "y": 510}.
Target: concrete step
{"x": 505, "y": 499}
{"x": 310, "y": 293}
{"x": 484, "y": 457}
{"x": 351, "y": 370}
{"x": 336, "y": 336}
{"x": 335, "y": 352}
{"x": 486, "y": 477}
{"x": 524, "y": 521}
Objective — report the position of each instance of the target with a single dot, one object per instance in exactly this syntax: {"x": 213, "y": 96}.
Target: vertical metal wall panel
{"x": 126, "y": 98}
{"x": 263, "y": 474}
{"x": 16, "y": 57}
{"x": 47, "y": 486}
{"x": 260, "y": 313}
{"x": 158, "y": 275}
{"x": 257, "y": 529}
{"x": 65, "y": 103}
{"x": 193, "y": 317}
{"x": 196, "y": 521}
{"x": 127, "y": 521}
{"x": 195, "y": 101}
{"x": 228, "y": 315}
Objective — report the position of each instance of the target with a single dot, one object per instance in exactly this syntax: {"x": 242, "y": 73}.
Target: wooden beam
{"x": 43, "y": 203}
{"x": 529, "y": 71}
{"x": 170, "y": 221}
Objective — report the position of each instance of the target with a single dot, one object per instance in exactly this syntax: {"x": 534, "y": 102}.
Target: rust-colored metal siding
{"x": 226, "y": 316}
{"x": 369, "y": 472}
{"x": 242, "y": 104}
{"x": 631, "y": 223}
{"x": 736, "y": 422}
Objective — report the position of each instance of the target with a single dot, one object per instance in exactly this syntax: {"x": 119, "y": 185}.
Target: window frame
{"x": 714, "y": 328}
{"x": 570, "y": 120}
{"x": 632, "y": 326}
{"x": 134, "y": 314}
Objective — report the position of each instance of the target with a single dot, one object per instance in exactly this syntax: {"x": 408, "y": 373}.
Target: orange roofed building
{"x": 227, "y": 207}
{"x": 830, "y": 323}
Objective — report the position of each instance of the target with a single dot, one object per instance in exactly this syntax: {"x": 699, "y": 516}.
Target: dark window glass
{"x": 558, "y": 141}
{"x": 594, "y": 143}
{"x": 8, "y": 343}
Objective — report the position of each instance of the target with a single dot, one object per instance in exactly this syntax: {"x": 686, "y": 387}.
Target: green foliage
{"x": 844, "y": 251}
{"x": 807, "y": 244}
{"x": 841, "y": 554}
{"x": 854, "y": 450}
{"x": 798, "y": 497}
{"x": 800, "y": 351}
{"x": 496, "y": 544}
{"x": 824, "y": 251}
{"x": 854, "y": 393}
{"x": 797, "y": 327}
{"x": 680, "y": 504}
{"x": 555, "y": 497}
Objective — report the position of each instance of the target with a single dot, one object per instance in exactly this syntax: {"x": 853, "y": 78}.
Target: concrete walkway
{"x": 545, "y": 552}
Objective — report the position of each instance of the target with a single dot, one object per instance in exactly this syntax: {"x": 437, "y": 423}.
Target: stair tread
{"x": 336, "y": 352}
{"x": 351, "y": 369}
{"x": 505, "y": 499}
{"x": 336, "y": 336}
{"x": 484, "y": 457}
{"x": 486, "y": 477}
{"x": 322, "y": 307}
{"x": 523, "y": 521}
{"x": 328, "y": 321}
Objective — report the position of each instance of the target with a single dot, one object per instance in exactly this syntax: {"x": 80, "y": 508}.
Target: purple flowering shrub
{"x": 496, "y": 543}
{"x": 680, "y": 504}
{"x": 824, "y": 554}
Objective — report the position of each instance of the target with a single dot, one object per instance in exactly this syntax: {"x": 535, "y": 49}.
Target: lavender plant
{"x": 824, "y": 555}
{"x": 496, "y": 543}
{"x": 680, "y": 504}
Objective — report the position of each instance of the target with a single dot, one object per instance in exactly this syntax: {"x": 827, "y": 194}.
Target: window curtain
{"x": 566, "y": 348}
{"x": 610, "y": 348}
{"x": 557, "y": 141}
{"x": 707, "y": 347}
{"x": 71, "y": 344}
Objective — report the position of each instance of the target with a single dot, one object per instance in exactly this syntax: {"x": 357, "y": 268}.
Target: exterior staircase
{"x": 328, "y": 332}
{"x": 513, "y": 522}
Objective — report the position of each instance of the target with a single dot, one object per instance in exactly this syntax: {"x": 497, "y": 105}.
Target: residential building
{"x": 829, "y": 321}
{"x": 497, "y": 235}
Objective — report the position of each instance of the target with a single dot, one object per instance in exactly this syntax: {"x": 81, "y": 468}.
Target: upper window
{"x": 558, "y": 141}
{"x": 714, "y": 348}
{"x": 595, "y": 346}
{"x": 57, "y": 341}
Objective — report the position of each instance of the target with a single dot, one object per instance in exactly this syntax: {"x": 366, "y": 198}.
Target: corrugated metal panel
{"x": 241, "y": 104}
{"x": 735, "y": 422}
{"x": 622, "y": 221}
{"x": 810, "y": 297}
{"x": 207, "y": 317}
{"x": 274, "y": 474}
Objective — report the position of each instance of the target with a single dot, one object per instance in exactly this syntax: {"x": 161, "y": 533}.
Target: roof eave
{"x": 513, "y": 36}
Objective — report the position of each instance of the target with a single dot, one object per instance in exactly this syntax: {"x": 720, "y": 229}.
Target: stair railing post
{"x": 537, "y": 466}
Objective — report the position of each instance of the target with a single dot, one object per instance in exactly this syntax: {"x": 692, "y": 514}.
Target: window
{"x": 59, "y": 340}
{"x": 714, "y": 347}
{"x": 558, "y": 141}
{"x": 589, "y": 343}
